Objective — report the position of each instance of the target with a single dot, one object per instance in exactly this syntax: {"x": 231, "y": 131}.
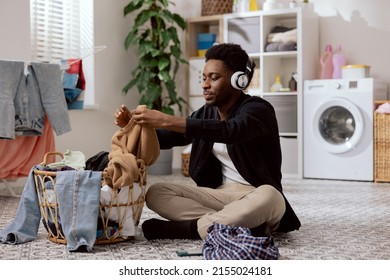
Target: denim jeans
{"x": 11, "y": 73}
{"x": 78, "y": 194}
{"x": 25, "y": 98}
{"x": 52, "y": 95}
{"x": 24, "y": 227}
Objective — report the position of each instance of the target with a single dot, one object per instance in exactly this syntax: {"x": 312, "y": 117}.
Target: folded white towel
{"x": 283, "y": 37}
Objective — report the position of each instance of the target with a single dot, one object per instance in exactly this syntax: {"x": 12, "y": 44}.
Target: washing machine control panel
{"x": 352, "y": 84}
{"x": 345, "y": 86}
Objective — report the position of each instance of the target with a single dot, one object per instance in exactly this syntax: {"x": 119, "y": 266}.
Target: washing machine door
{"x": 338, "y": 125}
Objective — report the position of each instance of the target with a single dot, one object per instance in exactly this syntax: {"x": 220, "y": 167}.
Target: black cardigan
{"x": 252, "y": 138}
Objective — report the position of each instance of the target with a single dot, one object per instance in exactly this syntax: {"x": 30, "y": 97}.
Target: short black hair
{"x": 233, "y": 57}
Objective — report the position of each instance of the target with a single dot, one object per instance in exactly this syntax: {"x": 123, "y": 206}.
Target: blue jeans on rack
{"x": 10, "y": 74}
{"x": 27, "y": 94}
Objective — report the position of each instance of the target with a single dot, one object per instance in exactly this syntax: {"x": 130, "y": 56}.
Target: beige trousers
{"x": 230, "y": 204}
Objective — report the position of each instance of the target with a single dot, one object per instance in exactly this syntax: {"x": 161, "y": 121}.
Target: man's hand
{"x": 156, "y": 119}
{"x": 122, "y": 116}
{"x": 152, "y": 118}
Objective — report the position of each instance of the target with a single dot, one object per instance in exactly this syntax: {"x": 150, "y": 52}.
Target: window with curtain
{"x": 63, "y": 29}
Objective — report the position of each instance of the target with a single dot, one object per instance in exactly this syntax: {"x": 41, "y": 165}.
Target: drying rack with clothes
{"x": 73, "y": 78}
{"x": 32, "y": 104}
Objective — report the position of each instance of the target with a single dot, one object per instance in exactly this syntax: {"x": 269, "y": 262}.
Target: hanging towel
{"x": 20, "y": 155}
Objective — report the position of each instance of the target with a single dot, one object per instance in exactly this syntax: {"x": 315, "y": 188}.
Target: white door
{"x": 338, "y": 125}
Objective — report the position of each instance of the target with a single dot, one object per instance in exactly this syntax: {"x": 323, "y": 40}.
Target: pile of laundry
{"x": 383, "y": 108}
{"x": 96, "y": 198}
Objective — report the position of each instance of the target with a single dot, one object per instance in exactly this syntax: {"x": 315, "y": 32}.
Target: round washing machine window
{"x": 338, "y": 125}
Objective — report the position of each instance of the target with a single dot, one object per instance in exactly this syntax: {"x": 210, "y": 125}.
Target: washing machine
{"x": 338, "y": 137}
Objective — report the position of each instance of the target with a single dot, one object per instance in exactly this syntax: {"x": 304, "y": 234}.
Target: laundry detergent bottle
{"x": 277, "y": 86}
{"x": 338, "y": 61}
{"x": 326, "y": 63}
{"x": 253, "y": 5}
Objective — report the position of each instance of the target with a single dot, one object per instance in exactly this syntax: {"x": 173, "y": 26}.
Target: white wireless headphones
{"x": 239, "y": 79}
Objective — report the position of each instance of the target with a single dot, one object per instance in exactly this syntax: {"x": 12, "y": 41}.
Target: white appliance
{"x": 338, "y": 128}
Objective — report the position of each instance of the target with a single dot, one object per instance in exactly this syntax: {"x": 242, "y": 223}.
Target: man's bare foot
{"x": 122, "y": 116}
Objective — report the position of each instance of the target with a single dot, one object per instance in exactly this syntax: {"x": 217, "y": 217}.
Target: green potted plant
{"x": 155, "y": 36}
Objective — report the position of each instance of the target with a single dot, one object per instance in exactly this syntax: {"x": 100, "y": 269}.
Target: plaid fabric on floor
{"x": 236, "y": 243}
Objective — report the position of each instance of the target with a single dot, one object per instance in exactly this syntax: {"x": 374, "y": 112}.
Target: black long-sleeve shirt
{"x": 252, "y": 138}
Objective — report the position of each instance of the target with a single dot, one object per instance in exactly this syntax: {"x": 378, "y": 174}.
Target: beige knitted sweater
{"x": 130, "y": 146}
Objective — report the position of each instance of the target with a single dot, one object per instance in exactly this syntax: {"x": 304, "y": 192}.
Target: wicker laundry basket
{"x": 185, "y": 164}
{"x": 382, "y": 147}
{"x": 216, "y": 7}
{"x": 45, "y": 184}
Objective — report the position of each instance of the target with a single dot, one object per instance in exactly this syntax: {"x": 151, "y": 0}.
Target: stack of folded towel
{"x": 281, "y": 39}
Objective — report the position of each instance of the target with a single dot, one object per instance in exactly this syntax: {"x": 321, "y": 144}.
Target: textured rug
{"x": 341, "y": 220}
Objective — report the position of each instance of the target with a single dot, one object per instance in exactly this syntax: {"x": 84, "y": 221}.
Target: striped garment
{"x": 236, "y": 243}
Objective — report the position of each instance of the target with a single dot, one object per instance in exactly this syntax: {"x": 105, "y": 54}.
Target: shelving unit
{"x": 205, "y": 24}
{"x": 251, "y": 30}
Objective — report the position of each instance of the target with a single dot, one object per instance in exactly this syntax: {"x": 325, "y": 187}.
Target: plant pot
{"x": 163, "y": 165}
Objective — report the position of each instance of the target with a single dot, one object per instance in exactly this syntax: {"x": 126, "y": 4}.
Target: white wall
{"x": 361, "y": 27}
{"x": 14, "y": 30}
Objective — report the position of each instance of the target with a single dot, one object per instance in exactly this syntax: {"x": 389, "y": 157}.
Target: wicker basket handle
{"x": 51, "y": 154}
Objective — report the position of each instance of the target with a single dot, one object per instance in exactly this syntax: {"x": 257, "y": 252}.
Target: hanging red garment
{"x": 18, "y": 156}
{"x": 74, "y": 84}
{"x": 76, "y": 67}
